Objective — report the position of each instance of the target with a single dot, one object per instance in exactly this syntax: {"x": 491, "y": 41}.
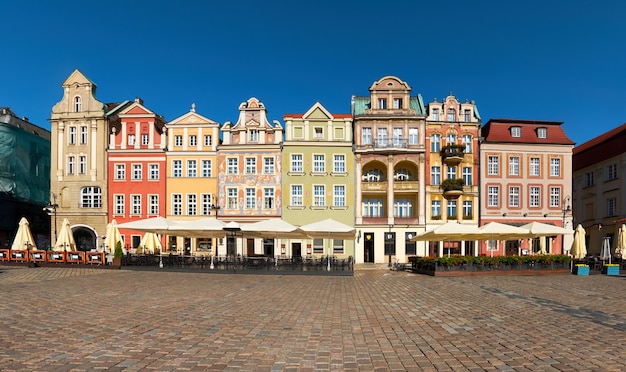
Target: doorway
{"x": 296, "y": 250}
{"x": 250, "y": 247}
{"x": 511, "y": 248}
{"x": 368, "y": 248}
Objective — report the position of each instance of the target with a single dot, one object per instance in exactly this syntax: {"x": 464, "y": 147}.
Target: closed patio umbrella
{"x": 620, "y": 249}
{"x": 113, "y": 236}
{"x": 65, "y": 240}
{"x": 149, "y": 244}
{"x": 23, "y": 238}
{"x": 579, "y": 246}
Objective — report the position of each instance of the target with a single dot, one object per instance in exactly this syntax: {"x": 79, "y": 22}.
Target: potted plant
{"x": 452, "y": 187}
{"x": 118, "y": 254}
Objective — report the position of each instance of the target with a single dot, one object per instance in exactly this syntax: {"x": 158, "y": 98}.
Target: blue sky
{"x": 539, "y": 60}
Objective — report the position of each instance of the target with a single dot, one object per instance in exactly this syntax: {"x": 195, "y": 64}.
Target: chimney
{"x": 139, "y": 100}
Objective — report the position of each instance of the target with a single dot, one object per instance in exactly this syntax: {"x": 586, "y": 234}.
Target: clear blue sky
{"x": 539, "y": 60}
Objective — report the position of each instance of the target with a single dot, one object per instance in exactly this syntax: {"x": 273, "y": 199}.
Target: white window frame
{"x": 177, "y": 204}
{"x": 535, "y": 167}
{"x": 319, "y": 195}
{"x": 83, "y": 135}
{"x": 119, "y": 204}
{"x": 339, "y": 195}
{"x": 269, "y": 198}
{"x": 192, "y": 204}
{"x": 135, "y": 205}
{"x": 339, "y": 163}
{"x": 534, "y": 196}
{"x": 413, "y": 136}
{"x": 493, "y": 165}
{"x": 297, "y": 199}
{"x": 137, "y": 172}
{"x": 177, "y": 168}
{"x": 514, "y": 165}
{"x": 232, "y": 166}
{"x": 153, "y": 207}
{"x": 250, "y": 198}
{"x": 207, "y": 168}
{"x": 319, "y": 163}
{"x": 250, "y": 165}
{"x": 269, "y": 166}
{"x": 514, "y": 196}
{"x": 555, "y": 197}
{"x": 435, "y": 175}
{"x": 555, "y": 167}
{"x": 435, "y": 142}
{"x": 120, "y": 171}
{"x": 297, "y": 162}
{"x": 493, "y": 196}
{"x": 366, "y": 136}
{"x": 154, "y": 170}
{"x": 231, "y": 198}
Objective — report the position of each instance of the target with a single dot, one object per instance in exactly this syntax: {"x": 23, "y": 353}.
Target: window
{"x": 413, "y": 136}
{"x": 154, "y": 171}
{"x": 177, "y": 168}
{"x": 337, "y": 246}
{"x": 193, "y": 140}
{"x": 513, "y": 196}
{"x": 253, "y": 135}
{"x": 178, "y": 140}
{"x": 493, "y": 165}
{"x": 78, "y": 104}
{"x": 589, "y": 179}
{"x": 153, "y": 208}
{"x": 135, "y": 205}
{"x": 436, "y": 114}
{"x": 119, "y": 205}
{"x": 542, "y": 132}
{"x": 366, "y": 136}
{"x": 451, "y": 115}
{"x": 435, "y": 143}
{"x": 268, "y": 198}
{"x": 82, "y": 164}
{"x": 467, "y": 209}
{"x": 208, "y": 140}
{"x": 403, "y": 207}
{"x": 318, "y": 133}
{"x": 72, "y": 134}
{"x": 435, "y": 209}
{"x": 207, "y": 204}
{"x": 467, "y": 176}
{"x": 451, "y": 139}
{"x": 611, "y": 207}
{"x": 516, "y": 132}
{"x": 207, "y": 168}
{"x": 177, "y": 204}
{"x": 268, "y": 166}
{"x": 296, "y": 163}
{"x": 402, "y": 174}
{"x": 493, "y": 196}
{"x": 120, "y": 171}
{"x": 410, "y": 248}
{"x": 319, "y": 163}
{"x": 192, "y": 168}
{"x": 555, "y": 167}
{"x": 83, "y": 135}
{"x": 397, "y": 137}
{"x": 339, "y": 163}
{"x": 535, "y": 167}
{"x": 467, "y": 142}
{"x": 381, "y": 140}
{"x": 435, "y": 175}
{"x": 131, "y": 139}
{"x": 451, "y": 209}
{"x": 250, "y": 165}
{"x": 555, "y": 197}
{"x": 250, "y": 198}
{"x": 231, "y": 198}
{"x": 382, "y": 103}
{"x": 318, "y": 246}
{"x": 71, "y": 164}
{"x": 91, "y": 197}
{"x": 145, "y": 139}
{"x": 611, "y": 172}
{"x": 451, "y": 173}
{"x": 339, "y": 196}
{"x": 373, "y": 175}
{"x": 233, "y": 166}
{"x": 137, "y": 172}
{"x": 467, "y": 116}
{"x": 296, "y": 195}
{"x": 192, "y": 204}
{"x": 319, "y": 195}
{"x": 535, "y": 196}
{"x": 397, "y": 103}
{"x": 373, "y": 207}
{"x": 514, "y": 166}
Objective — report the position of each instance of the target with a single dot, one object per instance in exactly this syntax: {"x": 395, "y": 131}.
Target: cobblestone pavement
{"x": 62, "y": 319}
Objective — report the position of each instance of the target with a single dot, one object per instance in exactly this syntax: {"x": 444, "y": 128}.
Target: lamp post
{"x": 52, "y": 208}
{"x": 213, "y": 207}
{"x": 566, "y": 209}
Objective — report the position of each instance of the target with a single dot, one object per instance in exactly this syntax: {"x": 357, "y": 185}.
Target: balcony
{"x": 452, "y": 154}
{"x": 452, "y": 187}
{"x": 374, "y": 186}
{"x": 406, "y": 185}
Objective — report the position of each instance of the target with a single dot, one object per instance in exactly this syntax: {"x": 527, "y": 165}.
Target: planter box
{"x": 610, "y": 270}
{"x": 580, "y": 270}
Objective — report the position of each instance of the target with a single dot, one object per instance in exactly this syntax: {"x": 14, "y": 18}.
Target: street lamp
{"x": 52, "y": 208}
{"x": 566, "y": 209}
{"x": 213, "y": 207}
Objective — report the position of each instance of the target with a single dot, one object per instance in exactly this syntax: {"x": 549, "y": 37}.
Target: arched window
{"x": 373, "y": 175}
{"x": 91, "y": 197}
{"x": 451, "y": 139}
{"x": 78, "y": 104}
{"x": 402, "y": 175}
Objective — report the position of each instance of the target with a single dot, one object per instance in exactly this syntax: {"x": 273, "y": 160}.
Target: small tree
{"x": 119, "y": 253}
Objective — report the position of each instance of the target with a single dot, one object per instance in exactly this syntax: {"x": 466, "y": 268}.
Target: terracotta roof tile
{"x": 499, "y": 130}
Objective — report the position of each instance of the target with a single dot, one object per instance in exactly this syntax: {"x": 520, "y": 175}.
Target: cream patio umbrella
{"x": 112, "y": 237}
{"x": 23, "y": 238}
{"x": 65, "y": 239}
{"x": 149, "y": 244}
{"x": 157, "y": 225}
{"x": 579, "y": 246}
{"x": 536, "y": 229}
{"x": 274, "y": 228}
{"x": 620, "y": 249}
{"x": 209, "y": 227}
{"x": 329, "y": 229}
{"x": 451, "y": 230}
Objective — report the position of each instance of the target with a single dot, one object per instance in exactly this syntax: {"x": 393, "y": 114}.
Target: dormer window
{"x": 542, "y": 132}
{"x": 253, "y": 135}
{"x": 436, "y": 114}
{"x": 516, "y": 132}
{"x": 451, "y": 115}
{"x": 319, "y": 133}
{"x": 397, "y": 103}
{"x": 382, "y": 103}
{"x": 78, "y": 104}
